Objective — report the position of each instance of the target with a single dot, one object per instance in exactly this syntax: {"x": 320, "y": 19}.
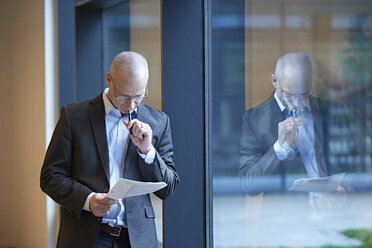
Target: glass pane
{"x": 116, "y": 32}
{"x": 329, "y": 142}
{"x": 136, "y": 26}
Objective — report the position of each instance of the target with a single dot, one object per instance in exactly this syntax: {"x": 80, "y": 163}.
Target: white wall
{"x": 22, "y": 132}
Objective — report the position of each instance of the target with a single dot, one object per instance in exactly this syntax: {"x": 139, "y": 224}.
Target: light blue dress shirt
{"x": 304, "y": 144}
{"x": 118, "y": 137}
{"x": 117, "y": 140}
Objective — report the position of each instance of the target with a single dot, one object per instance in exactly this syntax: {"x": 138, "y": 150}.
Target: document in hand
{"x": 127, "y": 188}
{"x": 323, "y": 184}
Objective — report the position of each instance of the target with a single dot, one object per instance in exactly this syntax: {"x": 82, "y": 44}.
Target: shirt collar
{"x": 281, "y": 106}
{"x": 108, "y": 105}
{"x": 107, "y": 102}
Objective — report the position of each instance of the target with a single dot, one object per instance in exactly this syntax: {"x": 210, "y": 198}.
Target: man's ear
{"x": 108, "y": 79}
{"x": 274, "y": 81}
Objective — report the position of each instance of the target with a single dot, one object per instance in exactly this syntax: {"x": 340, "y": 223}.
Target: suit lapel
{"x": 131, "y": 155}
{"x": 142, "y": 113}
{"x": 97, "y": 118}
{"x": 275, "y": 117}
{"x": 318, "y": 137}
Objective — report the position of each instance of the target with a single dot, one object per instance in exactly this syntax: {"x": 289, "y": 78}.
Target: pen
{"x": 129, "y": 119}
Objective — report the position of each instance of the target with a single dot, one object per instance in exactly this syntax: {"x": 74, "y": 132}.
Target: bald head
{"x": 293, "y": 76}
{"x": 128, "y": 77}
{"x": 294, "y": 72}
{"x": 132, "y": 64}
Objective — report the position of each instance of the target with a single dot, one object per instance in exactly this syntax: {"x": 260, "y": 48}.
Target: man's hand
{"x": 331, "y": 200}
{"x": 337, "y": 198}
{"x": 100, "y": 205}
{"x": 141, "y": 135}
{"x": 287, "y": 130}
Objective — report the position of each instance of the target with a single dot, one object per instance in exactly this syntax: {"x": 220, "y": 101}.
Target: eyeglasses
{"x": 294, "y": 96}
{"x": 128, "y": 98}
{"x": 290, "y": 95}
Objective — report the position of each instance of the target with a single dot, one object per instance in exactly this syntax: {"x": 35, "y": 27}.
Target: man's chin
{"x": 126, "y": 111}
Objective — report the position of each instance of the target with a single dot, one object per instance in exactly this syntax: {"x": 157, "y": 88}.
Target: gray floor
{"x": 287, "y": 221}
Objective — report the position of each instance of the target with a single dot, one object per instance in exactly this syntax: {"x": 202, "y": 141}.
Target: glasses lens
{"x": 296, "y": 96}
{"x": 128, "y": 98}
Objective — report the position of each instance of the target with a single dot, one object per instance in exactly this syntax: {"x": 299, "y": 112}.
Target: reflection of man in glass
{"x": 287, "y": 133}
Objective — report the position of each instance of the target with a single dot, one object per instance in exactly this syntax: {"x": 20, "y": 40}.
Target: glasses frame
{"x": 292, "y": 95}
{"x": 136, "y": 99}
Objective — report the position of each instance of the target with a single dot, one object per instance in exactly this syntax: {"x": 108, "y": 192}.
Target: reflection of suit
{"x": 77, "y": 163}
{"x": 260, "y": 132}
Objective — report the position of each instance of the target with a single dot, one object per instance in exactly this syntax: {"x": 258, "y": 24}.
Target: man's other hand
{"x": 141, "y": 135}
{"x": 100, "y": 205}
{"x": 287, "y": 130}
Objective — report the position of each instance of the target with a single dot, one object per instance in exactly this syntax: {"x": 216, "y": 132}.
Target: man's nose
{"x": 298, "y": 101}
{"x": 132, "y": 103}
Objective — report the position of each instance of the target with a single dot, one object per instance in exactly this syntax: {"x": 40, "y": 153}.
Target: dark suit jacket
{"x": 77, "y": 163}
{"x": 260, "y": 132}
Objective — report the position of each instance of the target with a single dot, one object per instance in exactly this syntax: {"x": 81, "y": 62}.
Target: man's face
{"x": 126, "y": 93}
{"x": 294, "y": 90}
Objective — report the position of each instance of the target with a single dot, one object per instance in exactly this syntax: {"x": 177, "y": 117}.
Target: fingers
{"x": 139, "y": 129}
{"x": 100, "y": 205}
{"x": 287, "y": 129}
{"x": 291, "y": 124}
{"x": 291, "y": 129}
{"x": 288, "y": 125}
{"x": 141, "y": 135}
{"x": 340, "y": 189}
{"x": 103, "y": 199}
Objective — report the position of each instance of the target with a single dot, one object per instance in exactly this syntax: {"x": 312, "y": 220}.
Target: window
{"x": 135, "y": 26}
{"x": 247, "y": 38}
{"x": 93, "y": 32}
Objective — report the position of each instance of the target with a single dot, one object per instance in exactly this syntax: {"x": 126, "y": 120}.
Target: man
{"x": 287, "y": 133}
{"x": 94, "y": 144}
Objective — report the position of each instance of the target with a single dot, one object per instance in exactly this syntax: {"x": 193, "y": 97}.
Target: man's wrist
{"x": 146, "y": 151}
{"x": 282, "y": 151}
{"x": 86, "y": 206}
{"x": 149, "y": 157}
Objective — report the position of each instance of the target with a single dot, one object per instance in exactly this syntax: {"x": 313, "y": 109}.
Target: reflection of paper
{"x": 127, "y": 188}
{"x": 323, "y": 184}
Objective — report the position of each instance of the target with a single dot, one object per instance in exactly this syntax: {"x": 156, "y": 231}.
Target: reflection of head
{"x": 293, "y": 78}
{"x": 127, "y": 79}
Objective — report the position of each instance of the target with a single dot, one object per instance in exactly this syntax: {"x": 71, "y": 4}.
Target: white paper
{"x": 127, "y": 188}
{"x": 323, "y": 184}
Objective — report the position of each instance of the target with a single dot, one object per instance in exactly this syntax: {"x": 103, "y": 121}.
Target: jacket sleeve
{"x": 55, "y": 178}
{"x": 254, "y": 160}
{"x": 162, "y": 169}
